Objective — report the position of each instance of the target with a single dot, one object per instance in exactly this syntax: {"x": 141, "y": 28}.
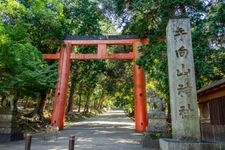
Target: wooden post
{"x": 62, "y": 86}
{"x": 101, "y": 51}
{"x": 28, "y": 139}
{"x": 139, "y": 95}
{"x": 71, "y": 142}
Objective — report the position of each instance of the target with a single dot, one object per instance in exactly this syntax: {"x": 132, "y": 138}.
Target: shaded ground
{"x": 110, "y": 131}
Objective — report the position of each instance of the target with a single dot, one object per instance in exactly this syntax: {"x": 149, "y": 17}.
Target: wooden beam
{"x": 51, "y": 56}
{"x": 73, "y": 56}
{"x": 107, "y": 42}
{"x": 122, "y": 56}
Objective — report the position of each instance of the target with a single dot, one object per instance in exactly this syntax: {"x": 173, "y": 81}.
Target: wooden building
{"x": 211, "y": 101}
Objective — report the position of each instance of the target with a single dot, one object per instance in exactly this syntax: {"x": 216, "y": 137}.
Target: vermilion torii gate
{"x": 66, "y": 55}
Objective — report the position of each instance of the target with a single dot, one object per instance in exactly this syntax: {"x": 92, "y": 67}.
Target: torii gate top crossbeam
{"x": 108, "y": 40}
{"x": 101, "y": 42}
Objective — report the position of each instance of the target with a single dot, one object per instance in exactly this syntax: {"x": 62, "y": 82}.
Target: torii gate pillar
{"x": 66, "y": 56}
{"x": 62, "y": 86}
{"x": 140, "y": 111}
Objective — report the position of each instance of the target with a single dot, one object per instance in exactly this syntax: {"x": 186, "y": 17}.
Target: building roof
{"x": 211, "y": 86}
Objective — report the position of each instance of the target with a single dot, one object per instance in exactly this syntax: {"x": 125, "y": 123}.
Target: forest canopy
{"x": 30, "y": 28}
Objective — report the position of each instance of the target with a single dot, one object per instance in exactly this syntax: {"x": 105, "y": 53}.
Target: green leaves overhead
{"x": 21, "y": 65}
{"x": 149, "y": 18}
{"x": 29, "y": 28}
{"x": 216, "y": 24}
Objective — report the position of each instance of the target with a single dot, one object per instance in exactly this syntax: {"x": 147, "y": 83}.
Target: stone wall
{"x": 9, "y": 128}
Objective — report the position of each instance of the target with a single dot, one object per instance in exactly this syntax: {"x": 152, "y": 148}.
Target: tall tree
{"x": 149, "y": 18}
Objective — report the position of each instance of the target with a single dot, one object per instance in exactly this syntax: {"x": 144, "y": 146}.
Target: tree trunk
{"x": 70, "y": 100}
{"x": 3, "y": 97}
{"x": 101, "y": 104}
{"x": 95, "y": 105}
{"x": 40, "y": 106}
{"x": 85, "y": 107}
{"x": 87, "y": 104}
{"x": 79, "y": 103}
{"x": 15, "y": 100}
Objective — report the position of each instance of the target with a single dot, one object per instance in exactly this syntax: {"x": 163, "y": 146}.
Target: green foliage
{"x": 149, "y": 18}
{"x": 29, "y": 28}
{"x": 21, "y": 65}
{"x": 118, "y": 83}
{"x": 216, "y": 23}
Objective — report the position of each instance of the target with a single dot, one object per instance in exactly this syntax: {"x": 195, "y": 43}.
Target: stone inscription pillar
{"x": 183, "y": 97}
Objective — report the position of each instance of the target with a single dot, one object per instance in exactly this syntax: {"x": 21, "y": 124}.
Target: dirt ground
{"x": 112, "y": 130}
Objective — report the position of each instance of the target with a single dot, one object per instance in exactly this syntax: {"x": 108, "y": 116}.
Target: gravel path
{"x": 110, "y": 131}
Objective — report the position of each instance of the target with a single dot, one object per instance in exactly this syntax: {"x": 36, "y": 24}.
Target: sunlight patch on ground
{"x": 80, "y": 139}
{"x": 125, "y": 141}
{"x": 58, "y": 148}
{"x": 104, "y": 122}
{"x": 104, "y": 132}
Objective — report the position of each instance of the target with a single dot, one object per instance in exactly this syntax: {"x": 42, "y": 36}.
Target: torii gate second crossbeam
{"x": 65, "y": 56}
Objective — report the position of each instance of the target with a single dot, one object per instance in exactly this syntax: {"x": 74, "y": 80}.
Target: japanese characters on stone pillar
{"x": 183, "y": 97}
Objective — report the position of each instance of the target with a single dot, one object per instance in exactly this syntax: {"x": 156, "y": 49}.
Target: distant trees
{"x": 149, "y": 18}
{"x": 23, "y": 72}
{"x": 29, "y": 28}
